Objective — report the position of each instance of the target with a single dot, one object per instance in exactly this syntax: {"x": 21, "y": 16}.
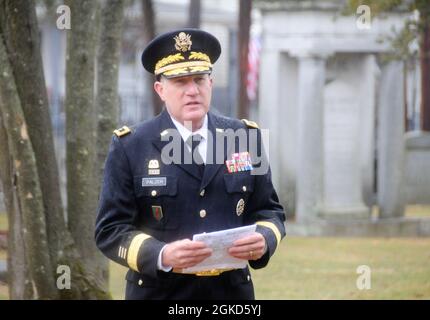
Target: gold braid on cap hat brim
{"x": 166, "y": 64}
{"x": 183, "y": 65}
{"x": 168, "y": 60}
{"x": 186, "y": 70}
{"x": 199, "y": 56}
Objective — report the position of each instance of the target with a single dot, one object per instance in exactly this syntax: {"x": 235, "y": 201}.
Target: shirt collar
{"x": 185, "y": 132}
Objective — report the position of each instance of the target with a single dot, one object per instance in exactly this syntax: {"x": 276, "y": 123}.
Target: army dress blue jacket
{"x": 145, "y": 204}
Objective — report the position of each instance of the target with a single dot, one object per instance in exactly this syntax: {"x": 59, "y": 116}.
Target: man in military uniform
{"x": 151, "y": 205}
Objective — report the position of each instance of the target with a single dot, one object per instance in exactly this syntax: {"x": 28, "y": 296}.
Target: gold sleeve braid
{"x": 272, "y": 227}
{"x": 133, "y": 250}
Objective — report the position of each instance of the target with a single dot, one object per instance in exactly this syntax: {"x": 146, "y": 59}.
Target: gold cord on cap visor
{"x": 186, "y": 64}
{"x": 199, "y": 56}
{"x": 168, "y": 60}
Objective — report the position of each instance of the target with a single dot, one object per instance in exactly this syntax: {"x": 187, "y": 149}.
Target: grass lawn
{"x": 117, "y": 280}
{"x": 325, "y": 268}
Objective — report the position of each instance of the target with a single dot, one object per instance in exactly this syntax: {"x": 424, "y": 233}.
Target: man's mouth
{"x": 192, "y": 103}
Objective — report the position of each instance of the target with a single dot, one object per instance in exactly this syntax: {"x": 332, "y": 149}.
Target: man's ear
{"x": 158, "y": 87}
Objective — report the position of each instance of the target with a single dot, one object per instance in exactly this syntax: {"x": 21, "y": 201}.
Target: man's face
{"x": 187, "y": 98}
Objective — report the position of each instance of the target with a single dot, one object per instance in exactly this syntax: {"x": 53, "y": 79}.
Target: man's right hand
{"x": 184, "y": 253}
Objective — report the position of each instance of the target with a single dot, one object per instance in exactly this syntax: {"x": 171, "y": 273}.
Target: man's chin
{"x": 194, "y": 116}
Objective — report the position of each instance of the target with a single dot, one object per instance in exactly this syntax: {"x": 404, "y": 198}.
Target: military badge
{"x": 157, "y": 213}
{"x": 240, "y": 207}
{"x": 153, "y": 167}
{"x": 183, "y": 42}
{"x": 122, "y": 131}
{"x": 239, "y": 162}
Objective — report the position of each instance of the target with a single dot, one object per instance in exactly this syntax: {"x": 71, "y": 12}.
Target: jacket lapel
{"x": 168, "y": 134}
{"x": 216, "y": 130}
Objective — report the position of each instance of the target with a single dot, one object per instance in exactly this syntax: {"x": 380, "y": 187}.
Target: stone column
{"x": 287, "y": 119}
{"x": 311, "y": 78}
{"x": 347, "y": 122}
{"x": 367, "y": 128}
{"x": 269, "y": 105}
{"x": 417, "y": 167}
{"x": 391, "y": 142}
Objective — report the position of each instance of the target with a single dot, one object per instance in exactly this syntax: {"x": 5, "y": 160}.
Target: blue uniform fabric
{"x": 130, "y": 232}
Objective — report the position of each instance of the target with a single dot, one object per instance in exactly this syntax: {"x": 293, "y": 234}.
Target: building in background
{"x": 335, "y": 111}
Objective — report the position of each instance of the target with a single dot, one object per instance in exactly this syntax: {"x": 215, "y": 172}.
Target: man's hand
{"x": 185, "y": 253}
{"x": 252, "y": 247}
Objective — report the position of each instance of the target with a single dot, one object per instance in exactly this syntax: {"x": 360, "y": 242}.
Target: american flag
{"x": 253, "y": 67}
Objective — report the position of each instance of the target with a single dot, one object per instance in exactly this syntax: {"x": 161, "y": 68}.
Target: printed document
{"x": 220, "y": 242}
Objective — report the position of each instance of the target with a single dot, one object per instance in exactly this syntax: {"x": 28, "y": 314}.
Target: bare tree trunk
{"x": 244, "y": 29}
{"x": 107, "y": 105}
{"x": 81, "y": 134}
{"x": 148, "y": 20}
{"x": 21, "y": 34}
{"x": 425, "y": 66}
{"x": 149, "y": 34}
{"x": 194, "y": 14}
{"x": 27, "y": 184}
{"x": 19, "y": 278}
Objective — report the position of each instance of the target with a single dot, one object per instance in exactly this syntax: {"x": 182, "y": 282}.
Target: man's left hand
{"x": 252, "y": 247}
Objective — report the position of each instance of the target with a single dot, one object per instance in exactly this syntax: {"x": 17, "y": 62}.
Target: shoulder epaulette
{"x": 250, "y": 124}
{"x": 122, "y": 131}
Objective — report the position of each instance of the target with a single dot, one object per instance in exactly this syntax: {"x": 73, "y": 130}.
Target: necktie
{"x": 193, "y": 141}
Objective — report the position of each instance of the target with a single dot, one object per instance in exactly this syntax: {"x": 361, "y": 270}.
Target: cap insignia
{"x": 183, "y": 42}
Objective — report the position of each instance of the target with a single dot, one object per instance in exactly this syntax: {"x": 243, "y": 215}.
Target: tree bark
{"x": 27, "y": 184}
{"x": 194, "y": 14}
{"x": 21, "y": 35}
{"x": 149, "y": 34}
{"x": 19, "y": 278}
{"x": 107, "y": 104}
{"x": 81, "y": 135}
{"x": 244, "y": 30}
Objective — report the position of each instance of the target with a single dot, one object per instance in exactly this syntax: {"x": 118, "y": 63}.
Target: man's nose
{"x": 192, "y": 88}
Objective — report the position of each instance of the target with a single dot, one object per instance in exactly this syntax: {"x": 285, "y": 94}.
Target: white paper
{"x": 220, "y": 242}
